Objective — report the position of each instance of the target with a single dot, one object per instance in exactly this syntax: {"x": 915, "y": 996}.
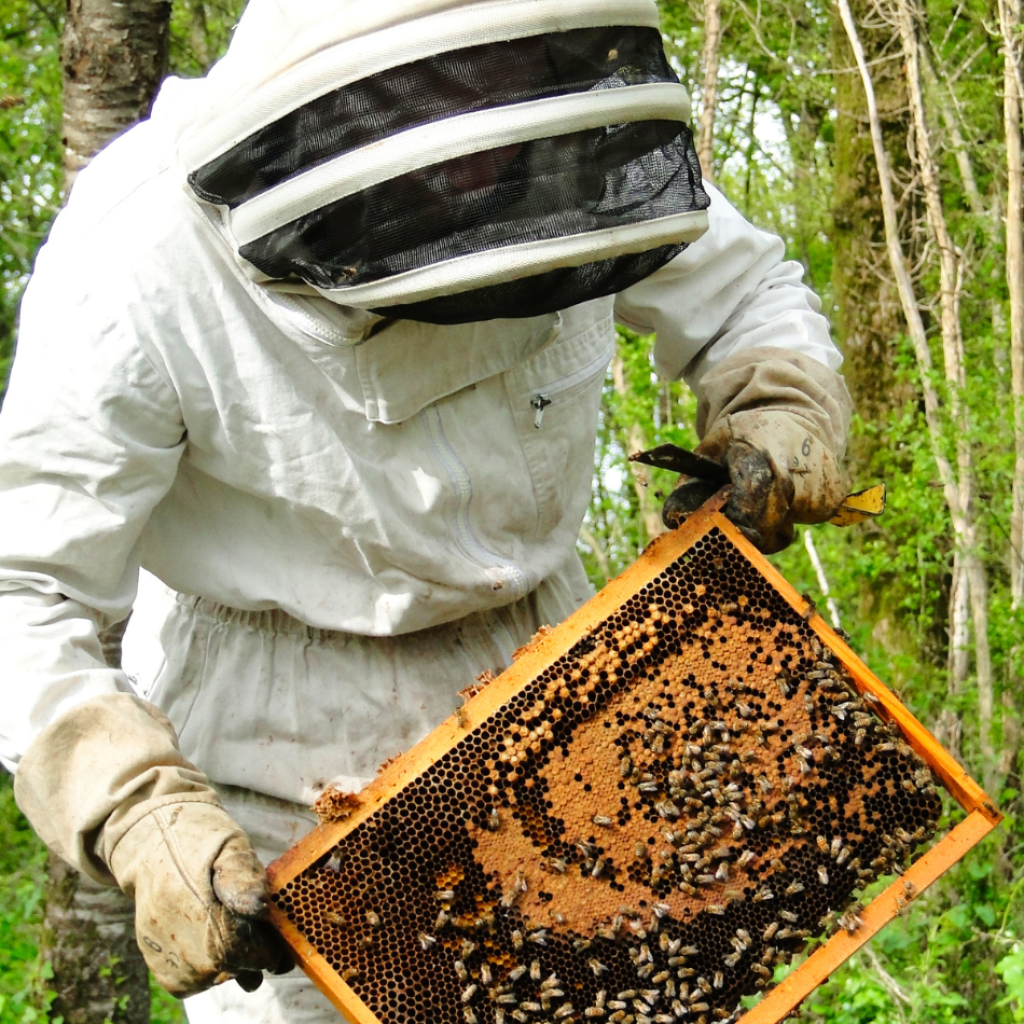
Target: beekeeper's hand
{"x": 107, "y": 788}
{"x": 778, "y": 422}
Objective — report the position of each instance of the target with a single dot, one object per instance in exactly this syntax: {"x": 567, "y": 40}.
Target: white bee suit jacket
{"x": 357, "y": 516}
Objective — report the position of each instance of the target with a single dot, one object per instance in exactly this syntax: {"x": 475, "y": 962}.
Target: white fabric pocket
{"x": 410, "y": 365}
{"x": 555, "y": 398}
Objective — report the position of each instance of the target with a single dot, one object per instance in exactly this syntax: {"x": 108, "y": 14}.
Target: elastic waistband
{"x": 277, "y": 622}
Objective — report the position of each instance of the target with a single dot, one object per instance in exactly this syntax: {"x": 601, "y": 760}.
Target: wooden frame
{"x": 982, "y": 815}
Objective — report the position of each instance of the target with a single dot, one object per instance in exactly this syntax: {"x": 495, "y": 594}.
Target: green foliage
{"x": 30, "y": 151}
{"x": 22, "y": 971}
{"x": 200, "y": 30}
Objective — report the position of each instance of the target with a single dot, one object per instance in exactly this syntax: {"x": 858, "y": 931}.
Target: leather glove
{"x": 107, "y": 789}
{"x": 778, "y": 421}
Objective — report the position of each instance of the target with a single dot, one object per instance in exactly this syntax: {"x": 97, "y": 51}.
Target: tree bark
{"x": 868, "y": 313}
{"x": 1009, "y": 22}
{"x": 963, "y": 524}
{"x": 950, "y": 272}
{"x": 114, "y": 55}
{"x": 712, "y": 47}
{"x": 89, "y": 935}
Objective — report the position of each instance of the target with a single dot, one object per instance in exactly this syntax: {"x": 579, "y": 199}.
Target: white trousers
{"x": 273, "y": 711}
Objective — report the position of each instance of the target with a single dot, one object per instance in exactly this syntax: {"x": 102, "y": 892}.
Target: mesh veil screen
{"x": 542, "y": 293}
{"x": 548, "y": 188}
{"x": 473, "y": 78}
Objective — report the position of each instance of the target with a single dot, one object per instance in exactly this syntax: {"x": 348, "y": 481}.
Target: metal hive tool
{"x": 660, "y": 801}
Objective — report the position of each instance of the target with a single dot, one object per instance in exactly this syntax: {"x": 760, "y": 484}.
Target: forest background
{"x": 882, "y": 140}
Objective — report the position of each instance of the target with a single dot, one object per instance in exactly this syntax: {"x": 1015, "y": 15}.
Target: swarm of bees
{"x": 640, "y": 835}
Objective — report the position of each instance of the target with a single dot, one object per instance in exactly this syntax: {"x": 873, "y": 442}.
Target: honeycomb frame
{"x": 552, "y": 648}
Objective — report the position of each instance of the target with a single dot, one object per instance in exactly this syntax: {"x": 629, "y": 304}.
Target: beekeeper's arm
{"x": 90, "y": 438}
{"x": 734, "y": 320}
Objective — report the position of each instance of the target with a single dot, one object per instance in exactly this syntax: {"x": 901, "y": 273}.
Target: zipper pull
{"x": 540, "y": 403}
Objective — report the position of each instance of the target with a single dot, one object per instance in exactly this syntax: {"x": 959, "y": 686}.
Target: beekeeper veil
{"x": 448, "y": 161}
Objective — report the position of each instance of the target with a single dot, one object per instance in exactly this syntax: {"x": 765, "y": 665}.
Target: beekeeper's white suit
{"x": 352, "y": 515}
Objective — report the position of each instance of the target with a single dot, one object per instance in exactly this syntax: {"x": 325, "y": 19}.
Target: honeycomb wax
{"x": 641, "y": 833}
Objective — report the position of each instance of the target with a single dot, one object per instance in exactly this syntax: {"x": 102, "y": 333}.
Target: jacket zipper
{"x": 468, "y": 541}
{"x": 540, "y": 401}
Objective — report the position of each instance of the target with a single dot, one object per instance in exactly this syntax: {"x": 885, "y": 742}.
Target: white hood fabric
{"x": 397, "y": 155}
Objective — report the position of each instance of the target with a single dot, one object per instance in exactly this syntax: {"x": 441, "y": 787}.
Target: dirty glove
{"x": 777, "y": 420}
{"x": 107, "y": 788}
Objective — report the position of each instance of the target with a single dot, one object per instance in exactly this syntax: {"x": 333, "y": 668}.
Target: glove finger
{"x": 249, "y": 981}
{"x": 239, "y": 880}
{"x": 757, "y": 501}
{"x": 240, "y": 884}
{"x": 686, "y": 498}
{"x": 252, "y": 946}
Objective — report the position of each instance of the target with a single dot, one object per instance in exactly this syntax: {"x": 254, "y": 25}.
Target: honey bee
{"x": 822, "y": 874}
{"x": 332, "y": 917}
{"x": 426, "y": 941}
{"x": 494, "y": 821}
{"x": 373, "y": 919}
{"x": 445, "y": 895}
{"x": 350, "y": 974}
{"x": 793, "y": 888}
{"x": 850, "y": 922}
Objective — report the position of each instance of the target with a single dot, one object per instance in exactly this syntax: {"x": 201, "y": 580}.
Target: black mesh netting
{"x": 545, "y": 189}
{"x": 542, "y": 293}
{"x": 473, "y": 78}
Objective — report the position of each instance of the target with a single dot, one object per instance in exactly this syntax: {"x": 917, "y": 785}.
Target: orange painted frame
{"x": 982, "y": 813}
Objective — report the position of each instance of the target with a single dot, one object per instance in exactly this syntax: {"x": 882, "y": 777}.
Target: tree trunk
{"x": 89, "y": 936}
{"x": 1010, "y": 18}
{"x": 867, "y": 314}
{"x": 712, "y": 46}
{"x": 950, "y": 277}
{"x": 114, "y": 55}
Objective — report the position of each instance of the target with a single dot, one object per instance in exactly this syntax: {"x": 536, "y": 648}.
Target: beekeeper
{"x": 321, "y": 346}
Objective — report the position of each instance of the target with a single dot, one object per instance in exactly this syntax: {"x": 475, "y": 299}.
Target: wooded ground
{"x": 919, "y": 266}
